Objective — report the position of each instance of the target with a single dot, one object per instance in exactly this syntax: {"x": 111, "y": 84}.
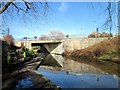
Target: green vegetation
{"x": 13, "y": 54}
{"x": 110, "y": 55}
{"x": 107, "y": 50}
{"x": 35, "y": 47}
{"x": 30, "y": 53}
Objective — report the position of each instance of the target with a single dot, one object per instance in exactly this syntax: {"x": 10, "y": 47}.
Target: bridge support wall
{"x": 81, "y": 43}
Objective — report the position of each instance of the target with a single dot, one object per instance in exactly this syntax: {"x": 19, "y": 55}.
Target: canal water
{"x": 76, "y": 73}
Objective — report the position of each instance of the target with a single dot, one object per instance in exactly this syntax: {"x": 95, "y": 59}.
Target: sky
{"x": 71, "y": 18}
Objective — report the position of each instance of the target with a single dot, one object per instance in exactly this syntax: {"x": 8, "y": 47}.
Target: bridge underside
{"x": 49, "y": 47}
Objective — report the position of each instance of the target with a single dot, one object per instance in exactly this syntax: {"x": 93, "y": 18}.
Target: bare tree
{"x": 96, "y": 34}
{"x": 44, "y": 37}
{"x": 108, "y": 22}
{"x": 56, "y": 35}
{"x": 9, "y": 39}
{"x": 28, "y": 6}
{"x": 29, "y": 11}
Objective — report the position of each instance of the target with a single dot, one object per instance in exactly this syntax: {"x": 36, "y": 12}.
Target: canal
{"x": 76, "y": 73}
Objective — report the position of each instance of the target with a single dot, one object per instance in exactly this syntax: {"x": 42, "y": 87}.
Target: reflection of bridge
{"x": 49, "y": 46}
{"x": 52, "y": 60}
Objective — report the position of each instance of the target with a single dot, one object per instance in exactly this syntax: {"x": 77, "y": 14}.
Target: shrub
{"x": 30, "y": 53}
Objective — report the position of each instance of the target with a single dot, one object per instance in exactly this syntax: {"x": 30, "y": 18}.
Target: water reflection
{"x": 74, "y": 66}
{"x": 80, "y": 80}
{"x": 69, "y": 73}
{"x": 24, "y": 83}
{"x": 53, "y": 60}
{"x": 68, "y": 64}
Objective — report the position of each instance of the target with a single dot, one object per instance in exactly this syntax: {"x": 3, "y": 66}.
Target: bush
{"x": 30, "y": 53}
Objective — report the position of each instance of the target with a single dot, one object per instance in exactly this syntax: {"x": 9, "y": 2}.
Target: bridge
{"x": 45, "y": 46}
{"x": 59, "y": 46}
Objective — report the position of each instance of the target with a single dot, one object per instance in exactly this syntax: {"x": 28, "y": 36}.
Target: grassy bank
{"x": 108, "y": 50}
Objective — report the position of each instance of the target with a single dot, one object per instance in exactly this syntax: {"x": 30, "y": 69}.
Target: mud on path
{"x": 24, "y": 75}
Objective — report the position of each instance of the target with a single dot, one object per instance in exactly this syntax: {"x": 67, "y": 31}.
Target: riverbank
{"x": 107, "y": 50}
{"x": 24, "y": 75}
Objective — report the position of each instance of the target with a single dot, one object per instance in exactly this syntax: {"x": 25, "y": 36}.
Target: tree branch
{"x": 6, "y": 6}
{"x": 18, "y": 7}
{"x": 26, "y": 4}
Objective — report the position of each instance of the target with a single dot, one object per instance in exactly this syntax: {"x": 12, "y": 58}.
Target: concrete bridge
{"x": 80, "y": 43}
{"x": 45, "y": 46}
{"x": 59, "y": 46}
